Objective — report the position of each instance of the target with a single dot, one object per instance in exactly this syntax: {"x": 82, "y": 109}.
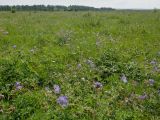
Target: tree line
{"x": 51, "y": 8}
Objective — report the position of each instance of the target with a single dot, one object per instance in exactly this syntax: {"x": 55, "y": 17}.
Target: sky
{"x": 122, "y": 4}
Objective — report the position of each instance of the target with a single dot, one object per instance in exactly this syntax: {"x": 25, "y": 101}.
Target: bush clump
{"x": 13, "y": 9}
{"x": 64, "y": 37}
{"x": 110, "y": 64}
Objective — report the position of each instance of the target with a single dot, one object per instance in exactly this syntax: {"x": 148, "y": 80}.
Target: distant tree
{"x": 13, "y": 9}
{"x": 155, "y": 10}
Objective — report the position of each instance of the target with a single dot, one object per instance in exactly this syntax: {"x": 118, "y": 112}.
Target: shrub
{"x": 110, "y": 64}
{"x": 64, "y": 37}
{"x": 13, "y": 9}
{"x": 16, "y": 70}
{"x": 155, "y": 10}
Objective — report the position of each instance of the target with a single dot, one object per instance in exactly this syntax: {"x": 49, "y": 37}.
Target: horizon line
{"x": 82, "y": 5}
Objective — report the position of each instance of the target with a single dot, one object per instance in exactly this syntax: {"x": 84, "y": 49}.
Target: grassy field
{"x": 80, "y": 65}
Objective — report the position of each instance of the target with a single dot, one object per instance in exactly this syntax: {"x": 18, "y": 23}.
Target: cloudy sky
{"x": 143, "y": 4}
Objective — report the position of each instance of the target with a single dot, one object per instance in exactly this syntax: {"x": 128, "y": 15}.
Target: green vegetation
{"x": 52, "y": 8}
{"x": 13, "y": 9}
{"x": 80, "y": 65}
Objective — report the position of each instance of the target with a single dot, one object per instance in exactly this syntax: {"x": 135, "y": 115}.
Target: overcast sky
{"x": 144, "y": 4}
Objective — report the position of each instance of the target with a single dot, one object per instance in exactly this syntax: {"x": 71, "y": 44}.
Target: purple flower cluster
{"x": 63, "y": 101}
{"x": 143, "y": 97}
{"x": 97, "y": 42}
{"x": 14, "y": 46}
{"x": 18, "y": 86}
{"x": 79, "y": 66}
{"x": 57, "y": 89}
{"x": 124, "y": 78}
{"x": 153, "y": 62}
{"x": 155, "y": 66}
{"x": 98, "y": 85}
{"x": 90, "y": 63}
{"x": 151, "y": 82}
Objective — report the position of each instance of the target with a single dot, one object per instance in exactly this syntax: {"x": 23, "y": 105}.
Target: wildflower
{"x": 97, "y": 42}
{"x": 153, "y": 62}
{"x": 14, "y": 46}
{"x": 18, "y": 86}
{"x": 90, "y": 63}
{"x": 79, "y": 66}
{"x": 63, "y": 101}
{"x": 83, "y": 79}
{"x": 57, "y": 89}
{"x": 98, "y": 85}
{"x": 1, "y": 96}
{"x": 124, "y": 78}
{"x": 155, "y": 69}
{"x": 32, "y": 50}
{"x": 69, "y": 66}
{"x": 143, "y": 97}
{"x": 151, "y": 82}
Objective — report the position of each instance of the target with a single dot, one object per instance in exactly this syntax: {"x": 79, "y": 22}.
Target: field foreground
{"x": 80, "y": 65}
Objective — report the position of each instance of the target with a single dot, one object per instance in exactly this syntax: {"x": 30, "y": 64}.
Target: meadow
{"x": 80, "y": 65}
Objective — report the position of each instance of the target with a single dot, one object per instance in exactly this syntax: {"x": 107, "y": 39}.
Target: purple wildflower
{"x": 97, "y": 43}
{"x": 153, "y": 62}
{"x": 143, "y": 97}
{"x": 79, "y": 66}
{"x": 63, "y": 101}
{"x": 98, "y": 85}
{"x": 151, "y": 82}
{"x": 57, "y": 89}
{"x": 14, "y": 46}
{"x": 90, "y": 63}
{"x": 18, "y": 86}
{"x": 155, "y": 69}
{"x": 124, "y": 78}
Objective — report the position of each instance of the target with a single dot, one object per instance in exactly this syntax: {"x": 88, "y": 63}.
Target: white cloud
{"x": 95, "y": 3}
